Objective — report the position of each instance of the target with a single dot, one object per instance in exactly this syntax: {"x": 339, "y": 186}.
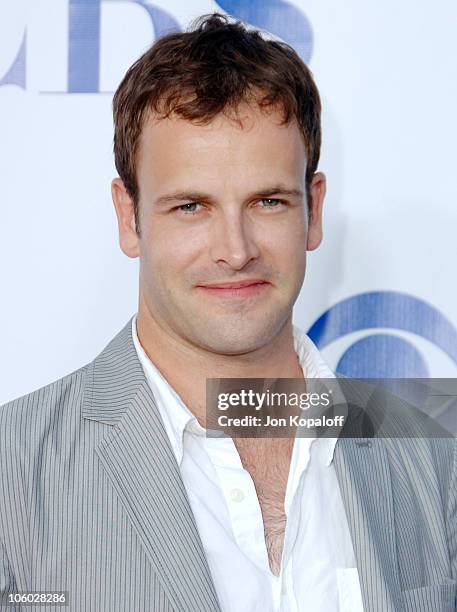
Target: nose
{"x": 233, "y": 242}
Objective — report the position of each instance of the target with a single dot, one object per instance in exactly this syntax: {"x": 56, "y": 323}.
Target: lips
{"x": 239, "y": 290}
{"x": 234, "y": 285}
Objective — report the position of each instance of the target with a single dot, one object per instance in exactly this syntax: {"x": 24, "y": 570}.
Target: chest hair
{"x": 268, "y": 463}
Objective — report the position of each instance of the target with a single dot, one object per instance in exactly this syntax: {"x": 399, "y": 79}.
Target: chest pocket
{"x": 431, "y": 598}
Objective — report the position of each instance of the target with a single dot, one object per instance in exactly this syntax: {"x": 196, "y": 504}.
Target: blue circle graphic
{"x": 382, "y": 356}
{"x": 389, "y": 310}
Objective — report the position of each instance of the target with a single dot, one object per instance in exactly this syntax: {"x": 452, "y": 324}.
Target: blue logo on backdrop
{"x": 280, "y": 18}
{"x": 275, "y": 16}
{"x": 384, "y": 355}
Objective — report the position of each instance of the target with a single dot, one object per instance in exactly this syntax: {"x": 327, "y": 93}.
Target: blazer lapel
{"x": 139, "y": 461}
{"x": 363, "y": 473}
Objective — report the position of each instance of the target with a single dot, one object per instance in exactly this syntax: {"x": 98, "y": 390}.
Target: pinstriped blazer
{"x": 92, "y": 502}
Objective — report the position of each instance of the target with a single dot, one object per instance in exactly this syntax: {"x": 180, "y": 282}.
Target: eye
{"x": 271, "y": 202}
{"x": 188, "y": 209}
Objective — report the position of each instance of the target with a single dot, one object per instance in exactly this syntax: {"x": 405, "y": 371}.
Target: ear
{"x": 125, "y": 211}
{"x": 317, "y": 193}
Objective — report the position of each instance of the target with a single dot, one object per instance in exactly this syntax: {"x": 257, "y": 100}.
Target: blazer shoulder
{"x": 42, "y": 404}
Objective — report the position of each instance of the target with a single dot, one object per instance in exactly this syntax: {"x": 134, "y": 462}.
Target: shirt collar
{"x": 175, "y": 414}
{"x": 178, "y": 418}
{"x": 314, "y": 366}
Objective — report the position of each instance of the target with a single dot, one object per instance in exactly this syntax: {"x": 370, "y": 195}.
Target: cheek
{"x": 168, "y": 254}
{"x": 288, "y": 249}
{"x": 289, "y": 240}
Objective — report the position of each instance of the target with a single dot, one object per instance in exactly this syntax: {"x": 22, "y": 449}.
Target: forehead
{"x": 253, "y": 142}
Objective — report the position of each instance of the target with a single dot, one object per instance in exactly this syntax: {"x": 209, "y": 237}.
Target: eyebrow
{"x": 180, "y": 196}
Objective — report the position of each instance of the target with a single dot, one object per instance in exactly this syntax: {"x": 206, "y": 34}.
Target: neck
{"x": 186, "y": 366}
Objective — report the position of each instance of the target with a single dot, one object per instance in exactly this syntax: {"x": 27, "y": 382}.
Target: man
{"x": 110, "y": 488}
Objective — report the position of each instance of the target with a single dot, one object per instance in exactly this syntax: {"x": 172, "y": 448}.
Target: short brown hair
{"x": 206, "y": 71}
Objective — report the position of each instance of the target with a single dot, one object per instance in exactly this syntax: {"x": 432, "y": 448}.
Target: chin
{"x": 237, "y": 343}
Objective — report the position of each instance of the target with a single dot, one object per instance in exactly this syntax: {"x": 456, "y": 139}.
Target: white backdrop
{"x": 387, "y": 75}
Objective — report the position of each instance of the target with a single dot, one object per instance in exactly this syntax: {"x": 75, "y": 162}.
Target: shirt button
{"x": 236, "y": 495}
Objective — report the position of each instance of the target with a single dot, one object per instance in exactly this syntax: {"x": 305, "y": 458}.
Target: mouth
{"x": 240, "y": 291}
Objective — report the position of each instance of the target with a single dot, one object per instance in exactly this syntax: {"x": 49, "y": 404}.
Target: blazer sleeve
{"x": 7, "y": 582}
{"x": 451, "y": 521}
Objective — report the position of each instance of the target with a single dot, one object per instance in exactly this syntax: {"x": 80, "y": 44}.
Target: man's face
{"x": 221, "y": 203}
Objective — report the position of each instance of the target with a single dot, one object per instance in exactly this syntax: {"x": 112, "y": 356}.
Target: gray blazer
{"x": 92, "y": 502}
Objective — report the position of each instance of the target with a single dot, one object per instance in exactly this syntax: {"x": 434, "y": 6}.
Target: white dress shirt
{"x": 318, "y": 568}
